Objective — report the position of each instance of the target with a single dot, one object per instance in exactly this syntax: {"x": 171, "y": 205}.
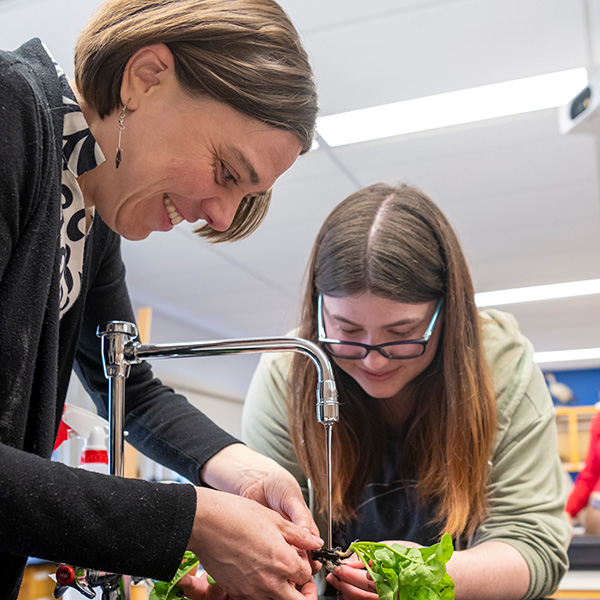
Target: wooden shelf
{"x": 573, "y": 425}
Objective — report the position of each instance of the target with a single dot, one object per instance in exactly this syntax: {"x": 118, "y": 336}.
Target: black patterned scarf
{"x": 81, "y": 153}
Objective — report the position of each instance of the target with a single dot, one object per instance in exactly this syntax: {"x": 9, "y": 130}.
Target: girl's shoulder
{"x": 505, "y": 346}
{"x": 521, "y": 391}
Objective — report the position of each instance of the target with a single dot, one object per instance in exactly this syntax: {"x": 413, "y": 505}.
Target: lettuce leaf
{"x": 402, "y": 573}
{"x": 167, "y": 590}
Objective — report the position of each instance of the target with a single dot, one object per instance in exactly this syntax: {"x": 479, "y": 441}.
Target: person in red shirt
{"x": 586, "y": 491}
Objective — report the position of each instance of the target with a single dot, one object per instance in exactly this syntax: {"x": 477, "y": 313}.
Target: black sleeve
{"x": 64, "y": 514}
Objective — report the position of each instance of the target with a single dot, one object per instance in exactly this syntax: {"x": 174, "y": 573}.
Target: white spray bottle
{"x": 93, "y": 430}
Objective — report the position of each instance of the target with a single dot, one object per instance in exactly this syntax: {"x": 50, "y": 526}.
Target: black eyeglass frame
{"x": 323, "y": 339}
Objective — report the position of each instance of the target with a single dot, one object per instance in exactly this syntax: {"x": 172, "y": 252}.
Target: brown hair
{"x": 394, "y": 242}
{"x": 245, "y": 53}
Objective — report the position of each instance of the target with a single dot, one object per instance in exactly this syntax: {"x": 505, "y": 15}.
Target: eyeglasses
{"x": 358, "y": 351}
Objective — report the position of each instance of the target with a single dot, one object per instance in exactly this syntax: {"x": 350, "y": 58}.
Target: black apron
{"x": 389, "y": 508}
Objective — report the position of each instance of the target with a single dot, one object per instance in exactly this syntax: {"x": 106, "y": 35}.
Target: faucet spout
{"x": 327, "y": 399}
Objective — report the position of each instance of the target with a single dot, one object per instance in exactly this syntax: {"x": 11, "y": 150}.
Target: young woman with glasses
{"x": 446, "y": 424}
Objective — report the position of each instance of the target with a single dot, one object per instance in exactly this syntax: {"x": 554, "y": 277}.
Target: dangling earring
{"x": 121, "y": 127}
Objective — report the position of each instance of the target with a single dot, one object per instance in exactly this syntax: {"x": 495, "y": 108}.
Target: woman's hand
{"x": 198, "y": 588}
{"x": 249, "y": 550}
{"x": 244, "y": 472}
{"x": 353, "y": 581}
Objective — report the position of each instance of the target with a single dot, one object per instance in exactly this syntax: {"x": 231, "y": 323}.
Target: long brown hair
{"x": 245, "y": 53}
{"x": 394, "y": 242}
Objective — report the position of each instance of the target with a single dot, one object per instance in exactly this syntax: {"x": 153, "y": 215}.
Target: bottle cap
{"x": 94, "y": 456}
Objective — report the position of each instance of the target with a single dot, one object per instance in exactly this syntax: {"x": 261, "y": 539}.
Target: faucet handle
{"x": 67, "y": 577}
{"x": 115, "y": 335}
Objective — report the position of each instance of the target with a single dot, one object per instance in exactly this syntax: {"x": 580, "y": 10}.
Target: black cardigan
{"x": 49, "y": 510}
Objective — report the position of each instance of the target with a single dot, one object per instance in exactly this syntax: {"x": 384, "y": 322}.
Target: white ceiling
{"x": 523, "y": 198}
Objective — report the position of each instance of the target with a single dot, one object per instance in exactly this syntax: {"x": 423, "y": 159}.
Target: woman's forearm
{"x": 489, "y": 571}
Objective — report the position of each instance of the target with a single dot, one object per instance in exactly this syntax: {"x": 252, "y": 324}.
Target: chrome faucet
{"x": 121, "y": 348}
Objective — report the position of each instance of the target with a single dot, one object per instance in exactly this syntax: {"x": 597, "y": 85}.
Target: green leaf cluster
{"x": 166, "y": 590}
{"x": 402, "y": 573}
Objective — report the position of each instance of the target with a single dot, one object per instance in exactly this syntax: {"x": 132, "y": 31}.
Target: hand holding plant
{"x": 402, "y": 573}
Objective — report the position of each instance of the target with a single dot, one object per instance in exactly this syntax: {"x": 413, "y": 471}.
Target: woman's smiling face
{"x": 373, "y": 320}
{"x": 183, "y": 158}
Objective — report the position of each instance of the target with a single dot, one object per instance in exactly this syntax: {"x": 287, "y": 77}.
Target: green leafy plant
{"x": 402, "y": 573}
{"x": 166, "y": 590}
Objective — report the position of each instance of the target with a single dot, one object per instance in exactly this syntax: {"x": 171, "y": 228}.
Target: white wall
{"x": 56, "y": 22}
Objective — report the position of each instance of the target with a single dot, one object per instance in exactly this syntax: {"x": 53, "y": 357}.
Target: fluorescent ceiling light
{"x": 566, "y": 355}
{"x": 539, "y": 292}
{"x": 453, "y": 108}
{"x": 547, "y": 292}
